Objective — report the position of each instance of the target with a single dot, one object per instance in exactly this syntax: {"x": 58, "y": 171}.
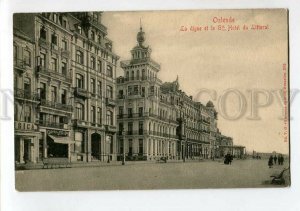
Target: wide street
{"x": 203, "y": 174}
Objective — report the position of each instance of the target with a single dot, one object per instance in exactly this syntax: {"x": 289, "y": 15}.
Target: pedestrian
{"x": 270, "y": 162}
{"x": 282, "y": 159}
{"x": 275, "y": 159}
{"x": 230, "y": 159}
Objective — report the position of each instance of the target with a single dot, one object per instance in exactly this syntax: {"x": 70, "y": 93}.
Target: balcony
{"x": 110, "y": 128}
{"x": 58, "y": 125}
{"x": 65, "y": 52}
{"x": 52, "y": 73}
{"x": 19, "y": 64}
{"x": 22, "y": 94}
{"x": 110, "y": 102}
{"x": 55, "y": 105}
{"x": 81, "y": 93}
{"x": 43, "y": 43}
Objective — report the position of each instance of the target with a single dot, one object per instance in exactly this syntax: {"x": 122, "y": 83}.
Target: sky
{"x": 246, "y": 61}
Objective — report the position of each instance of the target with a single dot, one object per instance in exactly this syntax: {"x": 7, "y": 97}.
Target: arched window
{"x": 127, "y": 75}
{"x": 109, "y": 118}
{"x": 138, "y": 74}
{"x": 79, "y": 111}
{"x": 132, "y": 75}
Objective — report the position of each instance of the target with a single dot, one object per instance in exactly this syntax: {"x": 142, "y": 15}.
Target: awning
{"x": 61, "y": 139}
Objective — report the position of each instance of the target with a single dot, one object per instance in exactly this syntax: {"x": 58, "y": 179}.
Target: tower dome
{"x": 140, "y": 37}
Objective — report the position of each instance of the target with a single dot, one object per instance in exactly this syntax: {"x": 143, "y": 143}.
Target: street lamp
{"x": 123, "y": 135}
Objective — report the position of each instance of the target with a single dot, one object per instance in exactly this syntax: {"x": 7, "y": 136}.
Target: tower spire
{"x": 141, "y": 28}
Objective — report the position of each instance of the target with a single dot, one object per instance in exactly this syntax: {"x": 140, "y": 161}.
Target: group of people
{"x": 274, "y": 159}
{"x": 228, "y": 159}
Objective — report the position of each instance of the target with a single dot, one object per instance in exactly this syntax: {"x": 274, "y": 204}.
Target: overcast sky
{"x": 216, "y": 60}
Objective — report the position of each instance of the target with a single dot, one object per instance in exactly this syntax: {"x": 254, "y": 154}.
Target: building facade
{"x": 157, "y": 119}
{"x": 65, "y": 73}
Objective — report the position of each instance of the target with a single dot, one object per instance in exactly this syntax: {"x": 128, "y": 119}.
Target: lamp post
{"x": 123, "y": 135}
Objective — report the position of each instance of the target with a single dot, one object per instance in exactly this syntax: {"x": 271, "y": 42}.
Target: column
{"x": 21, "y": 150}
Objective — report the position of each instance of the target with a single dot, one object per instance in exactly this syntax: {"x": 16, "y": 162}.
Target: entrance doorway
{"x": 96, "y": 146}
{"x": 27, "y": 145}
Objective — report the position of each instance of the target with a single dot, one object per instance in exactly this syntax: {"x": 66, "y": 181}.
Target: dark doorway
{"x": 96, "y": 146}
{"x": 27, "y": 150}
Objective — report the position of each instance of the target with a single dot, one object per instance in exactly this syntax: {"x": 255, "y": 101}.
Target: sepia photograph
{"x": 151, "y": 100}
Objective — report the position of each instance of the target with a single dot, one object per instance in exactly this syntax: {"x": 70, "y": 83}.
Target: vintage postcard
{"x": 151, "y": 100}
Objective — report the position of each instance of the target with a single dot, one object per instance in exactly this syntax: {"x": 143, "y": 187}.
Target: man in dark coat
{"x": 270, "y": 162}
{"x": 275, "y": 160}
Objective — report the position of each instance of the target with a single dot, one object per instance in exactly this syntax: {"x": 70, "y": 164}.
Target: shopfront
{"x": 26, "y": 142}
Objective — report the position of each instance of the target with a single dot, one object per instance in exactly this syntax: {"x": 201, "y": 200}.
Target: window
{"x": 64, "y": 68}
{"x": 99, "y": 115}
{"x": 99, "y": 88}
{"x": 79, "y": 29}
{"x": 109, "y": 118}
{"x": 136, "y": 90}
{"x": 99, "y": 65}
{"x": 43, "y": 33}
{"x": 141, "y": 111}
{"x": 93, "y": 114}
{"x": 121, "y": 128}
{"x": 130, "y": 128}
{"x": 93, "y": 63}
{"x": 141, "y": 128}
{"x": 137, "y": 74}
{"x": 43, "y": 91}
{"x": 93, "y": 35}
{"x": 79, "y": 57}
{"x": 127, "y": 75}
{"x": 54, "y": 39}
{"x": 27, "y": 57}
{"x": 109, "y": 71}
{"x": 99, "y": 39}
{"x": 64, "y": 23}
{"x": 79, "y": 111}
{"x": 27, "y": 87}
{"x": 129, "y": 112}
{"x": 53, "y": 91}
{"x": 64, "y": 97}
{"x": 141, "y": 146}
{"x": 64, "y": 45}
{"x": 42, "y": 59}
{"x": 121, "y": 94}
{"x": 93, "y": 86}
{"x": 27, "y": 114}
{"x": 130, "y": 92}
{"x": 130, "y": 147}
{"x": 143, "y": 75}
{"x": 54, "y": 64}
{"x": 132, "y": 75}
{"x": 79, "y": 81}
{"x": 109, "y": 92}
{"x": 121, "y": 110}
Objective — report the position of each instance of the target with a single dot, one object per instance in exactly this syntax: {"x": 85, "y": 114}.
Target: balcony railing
{"x": 110, "y": 102}
{"x": 81, "y": 93}
{"x": 53, "y": 124}
{"x": 53, "y": 73}
{"x": 20, "y": 93}
{"x": 146, "y": 132}
{"x": 145, "y": 114}
{"x": 20, "y": 65}
{"x": 110, "y": 128}
{"x": 56, "y": 105}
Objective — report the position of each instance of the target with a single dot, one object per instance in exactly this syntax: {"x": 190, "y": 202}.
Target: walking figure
{"x": 275, "y": 160}
{"x": 270, "y": 162}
